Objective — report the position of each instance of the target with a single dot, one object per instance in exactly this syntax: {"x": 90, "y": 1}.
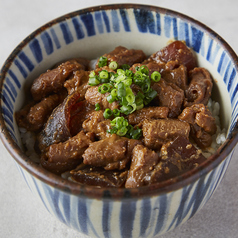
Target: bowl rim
{"x": 116, "y": 193}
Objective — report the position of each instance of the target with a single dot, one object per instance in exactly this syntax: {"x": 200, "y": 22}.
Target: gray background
{"x": 21, "y": 214}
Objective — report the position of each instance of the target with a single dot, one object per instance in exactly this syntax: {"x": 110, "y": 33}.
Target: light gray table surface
{"x": 22, "y": 215}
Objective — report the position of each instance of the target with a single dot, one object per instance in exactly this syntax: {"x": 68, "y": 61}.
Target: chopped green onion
{"x": 144, "y": 70}
{"x": 103, "y": 74}
{"x": 107, "y": 113}
{"x": 102, "y": 61}
{"x": 93, "y": 81}
{"x": 116, "y": 112}
{"x": 125, "y": 67}
{"x": 114, "y": 92}
{"x": 97, "y": 107}
{"x": 104, "y": 88}
{"x": 121, "y": 90}
{"x": 155, "y": 76}
{"x": 111, "y": 98}
{"x": 113, "y": 65}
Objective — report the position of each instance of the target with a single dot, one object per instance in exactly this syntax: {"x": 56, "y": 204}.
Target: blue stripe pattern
{"x": 151, "y": 218}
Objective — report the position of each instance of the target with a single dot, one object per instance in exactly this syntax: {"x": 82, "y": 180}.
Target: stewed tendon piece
{"x": 110, "y": 153}
{"x": 200, "y": 87}
{"x": 160, "y": 131}
{"x": 98, "y": 177}
{"x": 122, "y": 55}
{"x": 175, "y": 51}
{"x": 65, "y": 156}
{"x": 176, "y": 157}
{"x": 203, "y": 124}
{"x": 52, "y": 80}
{"x": 57, "y": 128}
{"x": 168, "y": 95}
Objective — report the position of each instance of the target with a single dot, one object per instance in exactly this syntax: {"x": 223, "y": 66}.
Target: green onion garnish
{"x": 113, "y": 65}
{"x": 118, "y": 86}
{"x": 155, "y": 76}
{"x": 102, "y": 61}
{"x": 97, "y": 107}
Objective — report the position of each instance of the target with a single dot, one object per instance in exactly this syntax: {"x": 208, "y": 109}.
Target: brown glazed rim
{"x": 119, "y": 193}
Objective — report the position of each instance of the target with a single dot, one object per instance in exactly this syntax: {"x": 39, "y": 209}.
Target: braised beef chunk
{"x": 94, "y": 176}
{"x": 176, "y": 51}
{"x": 109, "y": 153}
{"x": 169, "y": 95}
{"x": 158, "y": 132}
{"x": 180, "y": 155}
{"x": 77, "y": 81}
{"x": 97, "y": 124}
{"x": 142, "y": 164}
{"x": 203, "y": 124}
{"x": 57, "y": 128}
{"x": 148, "y": 113}
{"x": 53, "y": 80}
{"x": 93, "y": 96}
{"x": 178, "y": 76}
{"x": 122, "y": 55}
{"x": 65, "y": 156}
{"x": 200, "y": 87}
{"x": 34, "y": 116}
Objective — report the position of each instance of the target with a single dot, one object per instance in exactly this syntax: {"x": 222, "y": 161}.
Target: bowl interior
{"x": 95, "y": 31}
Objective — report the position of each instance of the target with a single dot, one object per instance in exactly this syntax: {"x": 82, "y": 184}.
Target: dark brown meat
{"x": 147, "y": 113}
{"x": 34, "y": 118}
{"x": 179, "y": 156}
{"x": 124, "y": 56}
{"x": 169, "y": 95}
{"x": 75, "y": 83}
{"x": 142, "y": 164}
{"x": 178, "y": 76}
{"x": 65, "y": 156}
{"x": 200, "y": 87}
{"x": 176, "y": 51}
{"x": 53, "y": 80}
{"x": 93, "y": 97}
{"x": 97, "y": 124}
{"x": 110, "y": 153}
{"x": 203, "y": 124}
{"x": 158, "y": 132}
{"x": 95, "y": 176}
{"x": 57, "y": 128}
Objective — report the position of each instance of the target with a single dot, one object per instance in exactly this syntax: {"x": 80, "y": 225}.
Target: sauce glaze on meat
{"x": 73, "y": 137}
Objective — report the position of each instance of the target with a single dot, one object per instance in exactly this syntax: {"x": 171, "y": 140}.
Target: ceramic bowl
{"x": 140, "y": 212}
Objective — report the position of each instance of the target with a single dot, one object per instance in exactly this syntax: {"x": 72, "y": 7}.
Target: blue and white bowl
{"x": 141, "y": 212}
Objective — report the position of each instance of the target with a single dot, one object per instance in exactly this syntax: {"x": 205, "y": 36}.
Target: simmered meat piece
{"x": 93, "y": 96}
{"x": 75, "y": 83}
{"x": 158, "y": 132}
{"x": 111, "y": 153}
{"x": 203, "y": 124}
{"x": 57, "y": 128}
{"x": 65, "y": 156}
{"x": 147, "y": 113}
{"x": 97, "y": 124}
{"x": 142, "y": 164}
{"x": 200, "y": 87}
{"x": 179, "y": 156}
{"x": 169, "y": 95}
{"x": 175, "y": 51}
{"x": 95, "y": 176}
{"x": 83, "y": 63}
{"x": 178, "y": 76}
{"x": 34, "y": 118}
{"x": 108, "y": 153}
{"x": 79, "y": 113}
{"x": 124, "y": 56}
{"x": 53, "y": 80}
